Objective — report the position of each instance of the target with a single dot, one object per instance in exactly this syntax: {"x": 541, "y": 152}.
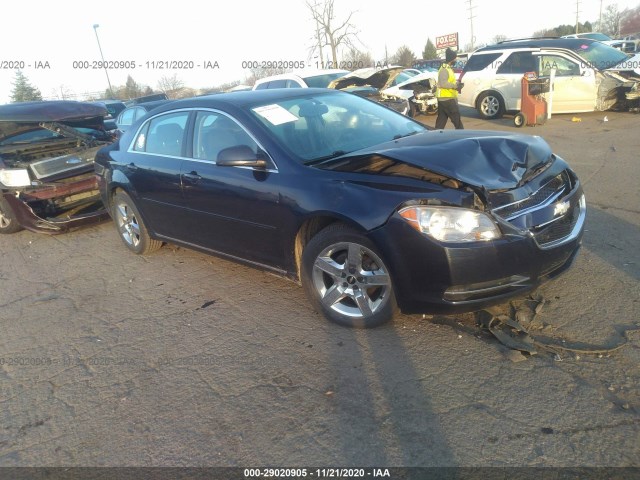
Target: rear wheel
{"x": 346, "y": 278}
{"x": 8, "y": 222}
{"x": 131, "y": 229}
{"x": 490, "y": 105}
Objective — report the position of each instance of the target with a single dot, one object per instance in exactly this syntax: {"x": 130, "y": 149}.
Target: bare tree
{"x": 328, "y": 33}
{"x": 171, "y": 86}
{"x": 611, "y": 21}
{"x": 62, "y": 92}
{"x": 355, "y": 59}
{"x": 403, "y": 56}
{"x": 499, "y": 38}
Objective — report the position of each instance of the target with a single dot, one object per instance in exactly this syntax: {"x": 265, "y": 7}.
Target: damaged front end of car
{"x": 370, "y": 83}
{"x": 47, "y": 178}
{"x": 506, "y": 215}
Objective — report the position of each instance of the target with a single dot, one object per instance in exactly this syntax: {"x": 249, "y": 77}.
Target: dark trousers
{"x": 448, "y": 109}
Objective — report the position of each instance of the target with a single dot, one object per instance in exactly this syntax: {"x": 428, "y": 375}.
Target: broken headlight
{"x": 15, "y": 177}
{"x": 447, "y": 224}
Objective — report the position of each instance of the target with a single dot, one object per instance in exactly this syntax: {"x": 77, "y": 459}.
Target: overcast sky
{"x": 37, "y": 32}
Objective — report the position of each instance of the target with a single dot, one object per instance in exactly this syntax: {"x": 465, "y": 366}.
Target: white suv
{"x": 303, "y": 79}
{"x": 583, "y": 81}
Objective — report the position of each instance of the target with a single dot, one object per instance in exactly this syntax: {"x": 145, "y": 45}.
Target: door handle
{"x": 191, "y": 178}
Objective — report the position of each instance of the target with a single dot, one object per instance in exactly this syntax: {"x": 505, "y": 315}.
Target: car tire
{"x": 8, "y": 222}
{"x": 520, "y": 120}
{"x": 346, "y": 278}
{"x": 131, "y": 228}
{"x": 490, "y": 105}
{"x": 413, "y": 109}
{"x": 432, "y": 109}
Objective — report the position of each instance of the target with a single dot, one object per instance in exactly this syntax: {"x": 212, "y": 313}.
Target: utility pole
{"x": 471, "y": 17}
{"x": 600, "y": 19}
{"x": 577, "y": 13}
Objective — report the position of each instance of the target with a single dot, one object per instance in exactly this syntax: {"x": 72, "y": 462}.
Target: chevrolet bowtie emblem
{"x": 561, "y": 209}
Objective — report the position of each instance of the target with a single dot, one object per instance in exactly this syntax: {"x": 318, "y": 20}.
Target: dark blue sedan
{"x": 366, "y": 208}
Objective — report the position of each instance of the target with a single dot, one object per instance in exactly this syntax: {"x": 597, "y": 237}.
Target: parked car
{"x": 624, "y": 45}
{"x": 114, "y": 107}
{"x": 366, "y": 208}
{"x": 47, "y": 181}
{"x": 589, "y": 75}
{"x": 301, "y": 79}
{"x": 130, "y": 114}
{"x": 373, "y": 83}
{"x": 420, "y": 91}
{"x": 154, "y": 97}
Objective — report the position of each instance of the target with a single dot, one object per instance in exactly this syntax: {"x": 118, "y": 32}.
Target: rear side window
{"x": 518, "y": 62}
{"x": 262, "y": 86}
{"x": 480, "y": 62}
{"x": 163, "y": 135}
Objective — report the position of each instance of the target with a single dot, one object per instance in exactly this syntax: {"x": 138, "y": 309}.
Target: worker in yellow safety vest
{"x": 447, "y": 93}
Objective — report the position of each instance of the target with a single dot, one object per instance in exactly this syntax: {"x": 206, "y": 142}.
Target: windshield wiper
{"x": 405, "y": 135}
{"x": 315, "y": 161}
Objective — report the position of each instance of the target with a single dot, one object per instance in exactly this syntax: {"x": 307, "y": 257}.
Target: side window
{"x": 139, "y": 113}
{"x": 480, "y": 62}
{"x": 564, "y": 67}
{"x": 518, "y": 62}
{"x": 263, "y": 85}
{"x": 126, "y": 117}
{"x": 163, "y": 135}
{"x": 293, "y": 84}
{"x": 278, "y": 84}
{"x": 213, "y": 132}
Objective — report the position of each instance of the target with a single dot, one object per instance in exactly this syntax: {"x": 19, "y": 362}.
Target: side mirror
{"x": 240, "y": 156}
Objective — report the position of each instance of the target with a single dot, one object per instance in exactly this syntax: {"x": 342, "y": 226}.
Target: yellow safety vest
{"x": 447, "y": 92}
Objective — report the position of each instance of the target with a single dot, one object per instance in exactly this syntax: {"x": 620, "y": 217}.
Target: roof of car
{"x": 50, "y": 111}
{"x": 245, "y": 97}
{"x": 568, "y": 43}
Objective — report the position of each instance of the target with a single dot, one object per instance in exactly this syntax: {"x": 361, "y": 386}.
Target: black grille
{"x": 558, "y": 229}
{"x": 558, "y": 184}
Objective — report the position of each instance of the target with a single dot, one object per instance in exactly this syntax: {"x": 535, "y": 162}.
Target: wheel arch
{"x": 309, "y": 229}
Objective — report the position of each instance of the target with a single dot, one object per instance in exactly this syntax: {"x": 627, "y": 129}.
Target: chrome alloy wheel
{"x": 490, "y": 105}
{"x": 351, "y": 280}
{"x": 127, "y": 224}
{"x": 5, "y": 221}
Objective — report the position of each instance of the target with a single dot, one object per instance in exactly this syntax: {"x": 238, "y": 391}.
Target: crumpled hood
{"x": 491, "y": 160}
{"x": 377, "y": 78}
{"x": 24, "y": 116}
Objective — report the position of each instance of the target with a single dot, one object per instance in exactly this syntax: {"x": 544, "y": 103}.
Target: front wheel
{"x": 8, "y": 222}
{"x": 346, "y": 279}
{"x": 490, "y": 105}
{"x": 132, "y": 230}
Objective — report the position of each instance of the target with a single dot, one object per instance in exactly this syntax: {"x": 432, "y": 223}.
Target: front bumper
{"x": 84, "y": 206}
{"x": 434, "y": 277}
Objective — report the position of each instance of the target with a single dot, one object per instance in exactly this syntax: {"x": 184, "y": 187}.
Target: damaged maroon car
{"x": 47, "y": 180}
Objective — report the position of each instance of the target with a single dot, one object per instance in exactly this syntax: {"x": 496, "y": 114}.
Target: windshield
{"x": 594, "y": 36}
{"x": 317, "y": 127}
{"x": 600, "y": 56}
